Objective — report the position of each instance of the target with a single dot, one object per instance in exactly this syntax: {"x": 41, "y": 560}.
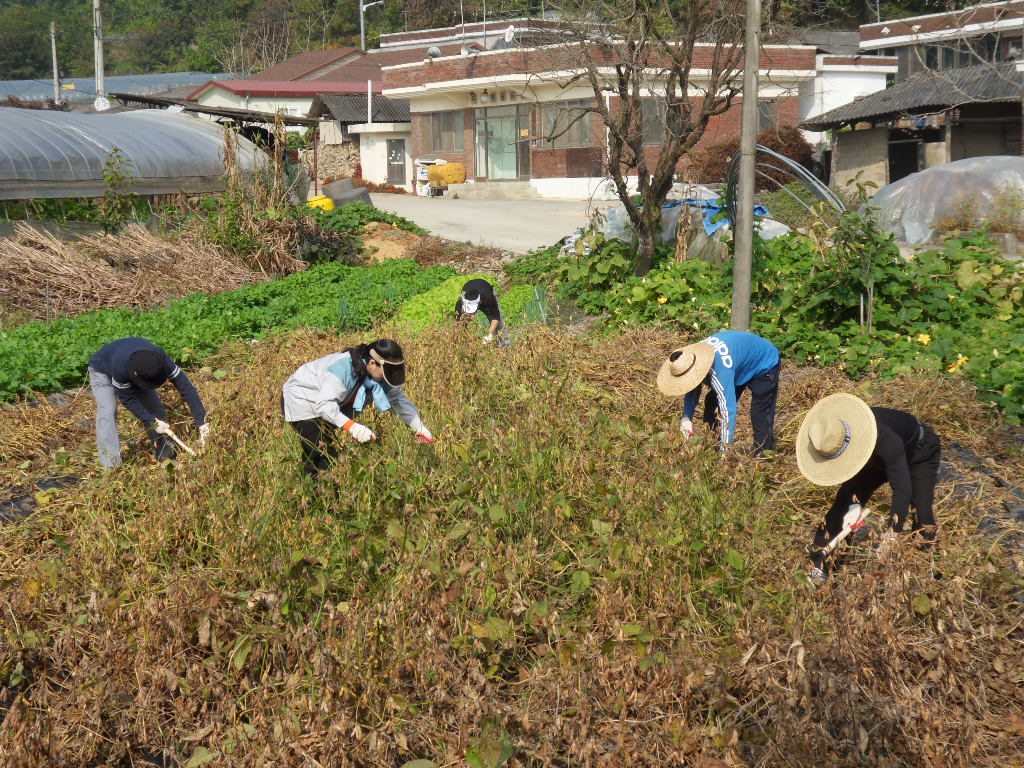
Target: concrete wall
{"x": 866, "y": 151}
{"x": 935, "y": 153}
{"x": 373, "y": 153}
{"x": 832, "y": 89}
{"x": 980, "y": 139}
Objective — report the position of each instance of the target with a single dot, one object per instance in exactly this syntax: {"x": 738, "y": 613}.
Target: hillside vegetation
{"x": 220, "y": 35}
{"x": 559, "y": 580}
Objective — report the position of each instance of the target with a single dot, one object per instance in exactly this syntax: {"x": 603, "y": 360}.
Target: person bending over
{"x": 478, "y": 296}
{"x": 842, "y": 441}
{"x": 130, "y": 370}
{"x": 326, "y": 394}
{"x": 727, "y": 363}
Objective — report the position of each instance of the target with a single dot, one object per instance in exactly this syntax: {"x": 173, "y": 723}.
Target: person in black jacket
{"x": 130, "y": 370}
{"x": 844, "y": 442}
{"x": 478, "y": 296}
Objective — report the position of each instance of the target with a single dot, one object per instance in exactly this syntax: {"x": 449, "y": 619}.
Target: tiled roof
{"x": 304, "y": 65}
{"x": 926, "y": 91}
{"x": 347, "y": 108}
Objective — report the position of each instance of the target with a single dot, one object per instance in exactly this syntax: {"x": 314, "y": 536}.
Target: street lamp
{"x": 362, "y": 20}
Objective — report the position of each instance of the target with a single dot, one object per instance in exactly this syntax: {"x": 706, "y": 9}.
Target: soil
{"x": 388, "y": 242}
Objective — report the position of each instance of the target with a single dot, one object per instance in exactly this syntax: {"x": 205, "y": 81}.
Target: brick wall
{"x": 532, "y": 62}
{"x": 562, "y": 163}
{"x": 466, "y": 156}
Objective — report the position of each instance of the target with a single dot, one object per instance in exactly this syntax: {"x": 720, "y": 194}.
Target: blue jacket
{"x": 739, "y": 357}
{"x": 112, "y": 360}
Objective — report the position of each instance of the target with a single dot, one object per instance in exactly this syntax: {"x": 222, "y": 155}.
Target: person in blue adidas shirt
{"x": 728, "y": 363}
{"x": 130, "y": 370}
{"x": 326, "y": 394}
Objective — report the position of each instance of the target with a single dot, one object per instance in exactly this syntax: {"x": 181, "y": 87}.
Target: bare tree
{"x": 261, "y": 42}
{"x": 660, "y": 70}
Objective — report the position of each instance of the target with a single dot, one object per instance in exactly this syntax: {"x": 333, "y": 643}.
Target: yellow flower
{"x": 924, "y": 338}
{"x": 662, "y": 300}
{"x": 960, "y": 360}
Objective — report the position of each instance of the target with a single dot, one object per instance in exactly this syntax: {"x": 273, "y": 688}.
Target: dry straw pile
{"x": 558, "y": 581}
{"x": 47, "y": 277}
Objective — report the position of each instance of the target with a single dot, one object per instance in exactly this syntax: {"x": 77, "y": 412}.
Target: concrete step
{"x": 493, "y": 190}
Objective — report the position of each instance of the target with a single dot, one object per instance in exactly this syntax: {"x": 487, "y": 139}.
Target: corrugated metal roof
{"x": 352, "y": 109}
{"x": 926, "y": 91}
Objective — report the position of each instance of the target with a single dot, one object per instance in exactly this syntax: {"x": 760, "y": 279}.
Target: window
{"x": 767, "y": 114}
{"x": 567, "y": 119}
{"x": 442, "y": 131}
{"x": 652, "y": 113}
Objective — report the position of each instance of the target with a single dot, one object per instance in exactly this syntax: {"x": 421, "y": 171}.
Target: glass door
{"x": 498, "y": 146}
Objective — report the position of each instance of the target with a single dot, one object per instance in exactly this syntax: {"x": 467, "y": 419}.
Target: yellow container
{"x": 321, "y": 201}
{"x": 448, "y": 173}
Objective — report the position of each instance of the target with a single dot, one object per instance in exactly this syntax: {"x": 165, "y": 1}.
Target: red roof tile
{"x": 305, "y": 64}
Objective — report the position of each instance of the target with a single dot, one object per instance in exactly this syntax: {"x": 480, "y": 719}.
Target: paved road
{"x": 512, "y": 225}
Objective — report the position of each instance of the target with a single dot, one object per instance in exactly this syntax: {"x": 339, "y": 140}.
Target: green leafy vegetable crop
{"x": 51, "y": 356}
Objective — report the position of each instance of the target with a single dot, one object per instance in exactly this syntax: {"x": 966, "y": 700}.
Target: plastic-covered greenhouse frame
{"x": 47, "y": 154}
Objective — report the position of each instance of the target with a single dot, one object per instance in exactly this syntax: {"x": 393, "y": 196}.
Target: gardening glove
{"x": 686, "y": 426}
{"x": 162, "y": 428}
{"x": 488, "y": 338}
{"x": 422, "y": 433}
{"x": 204, "y": 434}
{"x": 359, "y": 432}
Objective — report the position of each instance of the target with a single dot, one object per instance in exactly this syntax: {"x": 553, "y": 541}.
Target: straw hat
{"x": 685, "y": 369}
{"x": 836, "y": 439}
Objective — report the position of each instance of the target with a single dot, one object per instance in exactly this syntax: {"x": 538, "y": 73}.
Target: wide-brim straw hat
{"x": 836, "y": 439}
{"x": 685, "y": 368}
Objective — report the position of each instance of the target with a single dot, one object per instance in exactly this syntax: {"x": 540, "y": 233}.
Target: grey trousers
{"x": 107, "y": 442}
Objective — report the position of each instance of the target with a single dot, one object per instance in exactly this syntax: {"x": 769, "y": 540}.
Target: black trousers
{"x": 924, "y": 473}
{"x": 764, "y": 394}
{"x": 318, "y": 440}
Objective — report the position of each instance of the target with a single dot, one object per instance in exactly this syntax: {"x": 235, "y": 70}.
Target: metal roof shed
{"x": 48, "y": 154}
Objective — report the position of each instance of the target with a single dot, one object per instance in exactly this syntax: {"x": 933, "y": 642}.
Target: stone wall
{"x": 333, "y": 160}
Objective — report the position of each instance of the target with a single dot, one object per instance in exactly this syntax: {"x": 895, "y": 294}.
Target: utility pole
{"x": 743, "y": 235}
{"x": 362, "y": 20}
{"x": 97, "y": 38}
{"x": 56, "y": 72}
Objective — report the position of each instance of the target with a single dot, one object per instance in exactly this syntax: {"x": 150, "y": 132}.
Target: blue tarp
{"x": 712, "y": 208}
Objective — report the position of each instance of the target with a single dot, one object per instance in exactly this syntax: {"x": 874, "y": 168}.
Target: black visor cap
{"x": 394, "y": 374}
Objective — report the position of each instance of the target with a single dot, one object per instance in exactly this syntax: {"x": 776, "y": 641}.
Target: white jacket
{"x": 319, "y": 388}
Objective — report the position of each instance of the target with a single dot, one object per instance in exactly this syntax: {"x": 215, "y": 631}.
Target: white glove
{"x": 162, "y": 428}
{"x": 686, "y": 426}
{"x": 360, "y": 433}
{"x": 421, "y": 431}
{"x": 488, "y": 338}
{"x": 204, "y": 434}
